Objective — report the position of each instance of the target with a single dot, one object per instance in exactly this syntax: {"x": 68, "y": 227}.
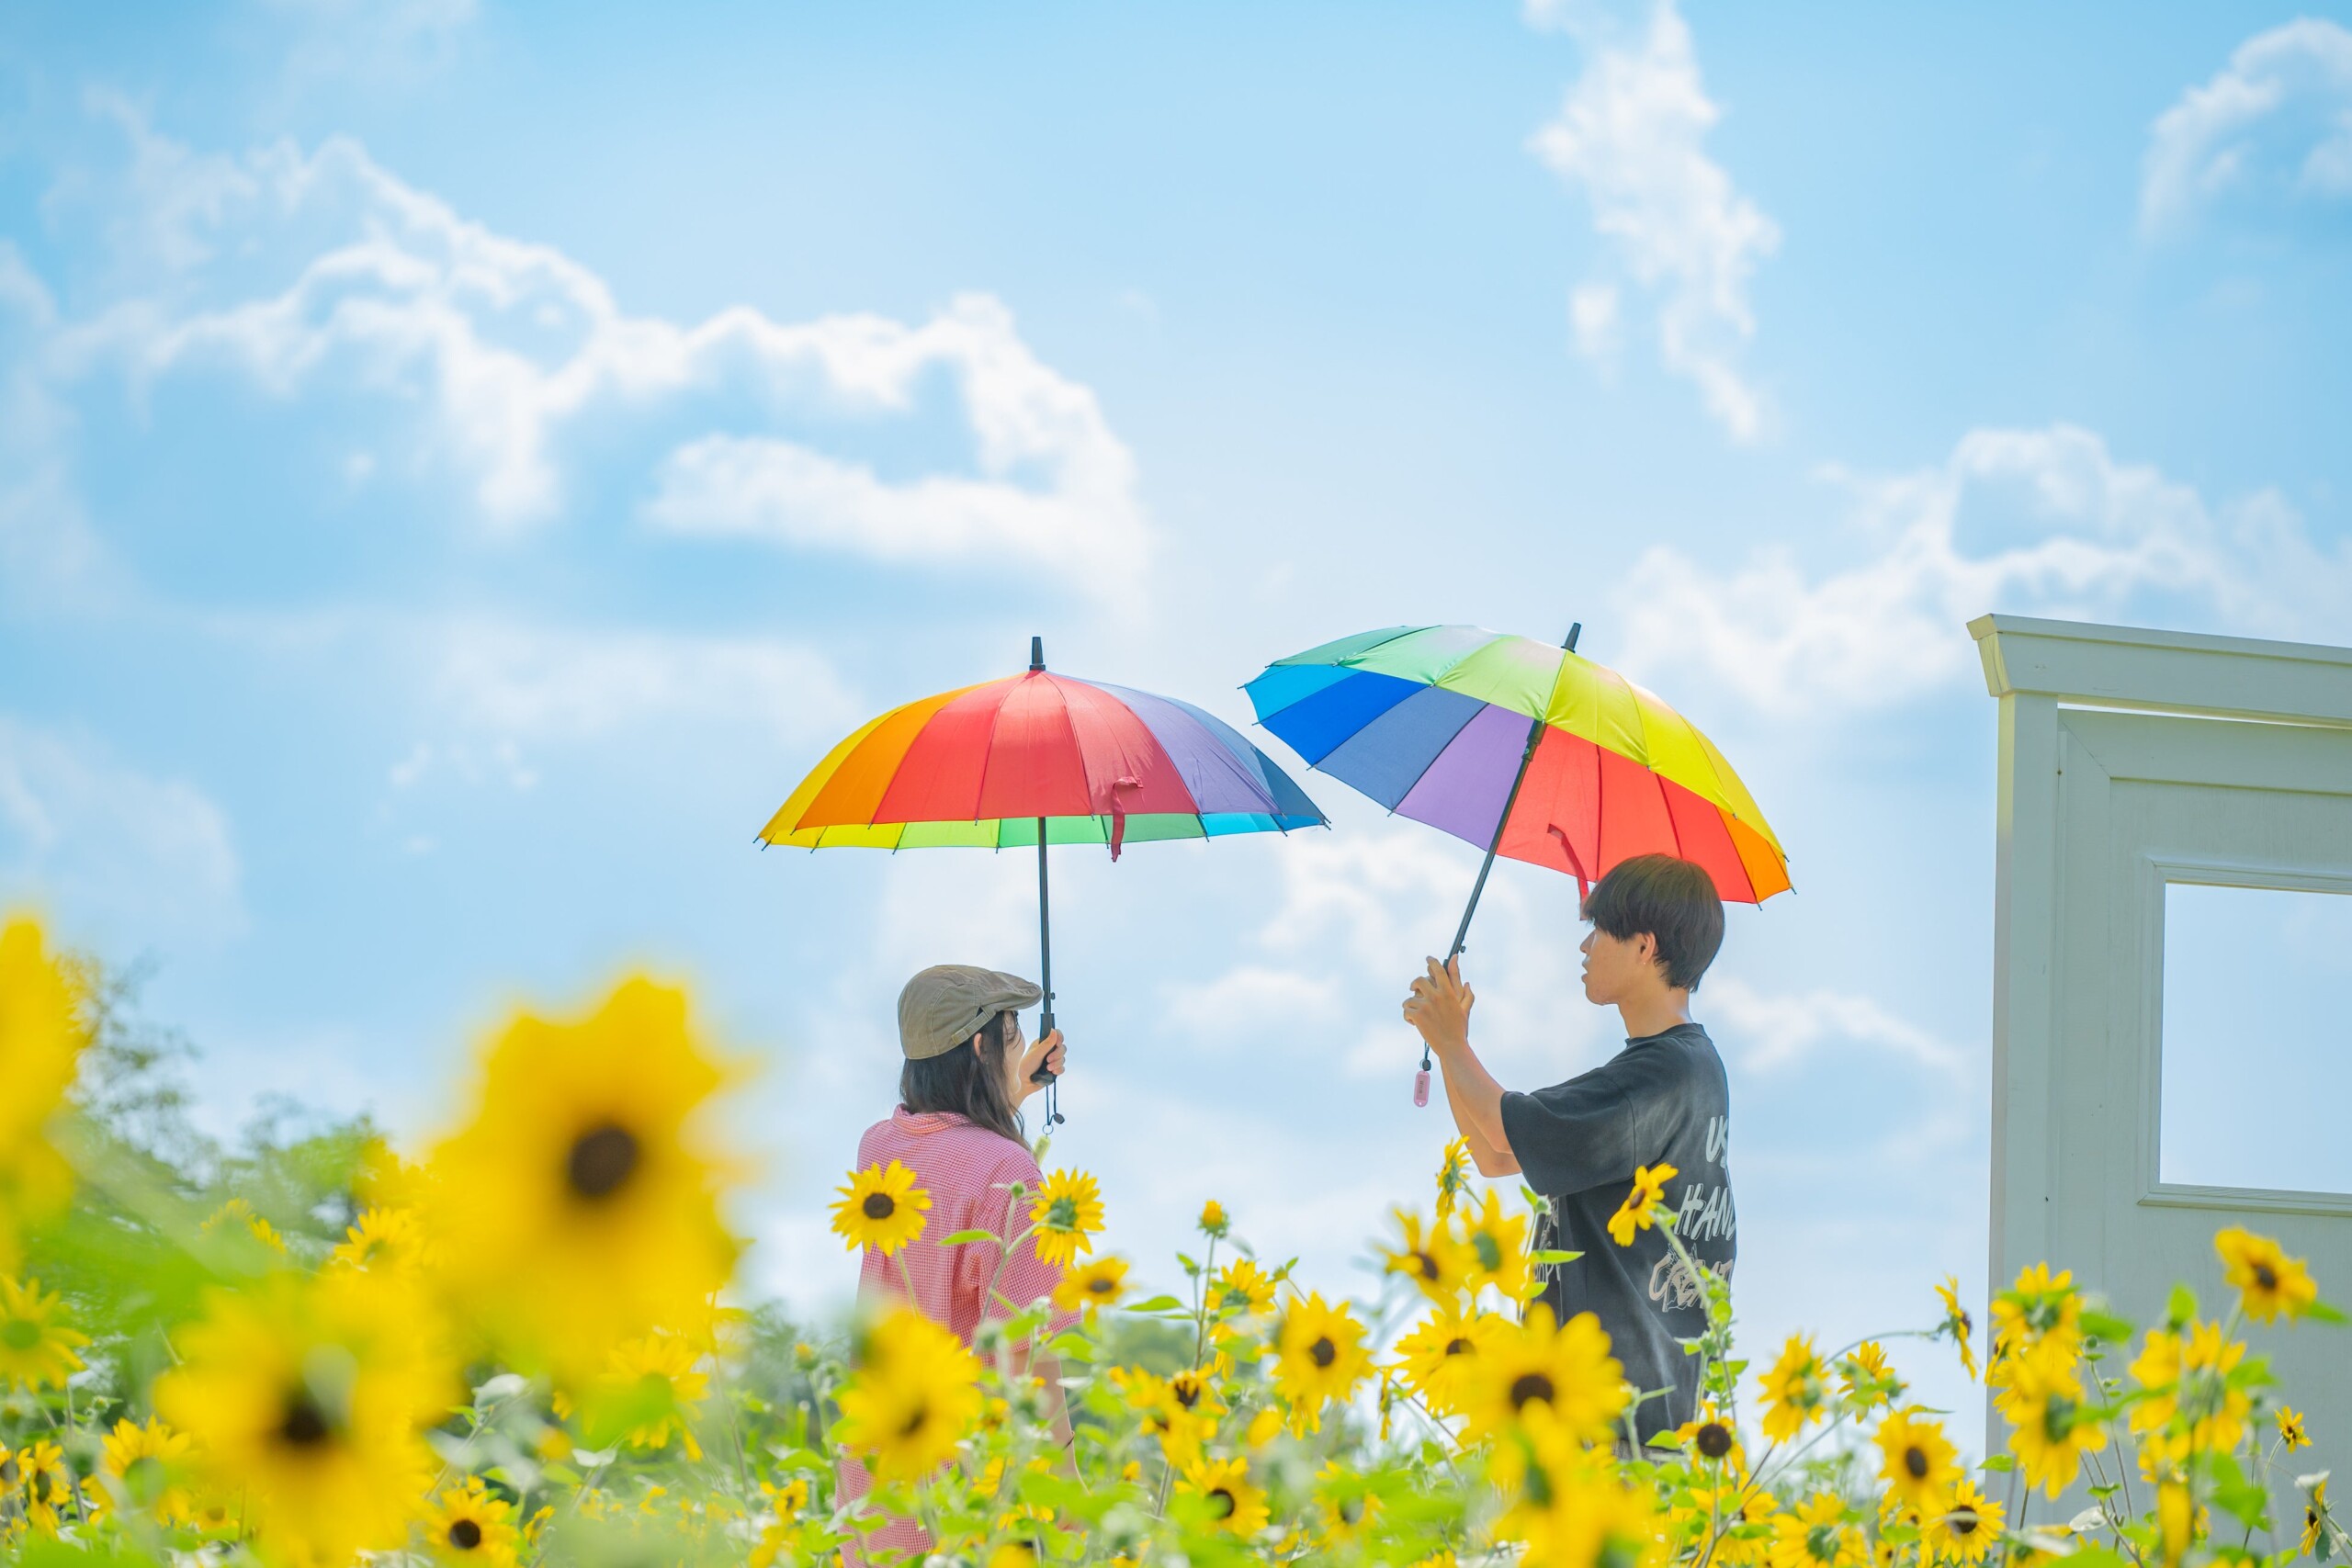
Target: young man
{"x": 1656, "y": 922}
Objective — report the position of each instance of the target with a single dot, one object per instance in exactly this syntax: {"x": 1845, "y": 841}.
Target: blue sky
{"x": 462, "y": 462}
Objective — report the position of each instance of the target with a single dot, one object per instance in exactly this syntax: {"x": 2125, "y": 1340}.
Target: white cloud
{"x": 508, "y": 346}
{"x": 1632, "y": 136}
{"x": 1779, "y": 1033}
{"x": 2276, "y": 122}
{"x": 1251, "y": 996}
{"x": 2028, "y": 521}
{"x": 139, "y": 860}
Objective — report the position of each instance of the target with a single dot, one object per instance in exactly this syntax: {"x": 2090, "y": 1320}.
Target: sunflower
{"x": 1965, "y": 1526}
{"x": 2187, "y": 1374}
{"x": 381, "y": 1239}
{"x": 469, "y": 1524}
{"x": 1916, "y": 1460}
{"x": 1348, "y": 1504}
{"x": 1649, "y": 1192}
{"x": 579, "y": 1206}
{"x": 1713, "y": 1440}
{"x": 1213, "y": 1221}
{"x": 1796, "y": 1390}
{"x": 1568, "y": 1509}
{"x": 1243, "y": 1288}
{"x": 1565, "y": 1369}
{"x": 237, "y": 1211}
{"x": 1498, "y": 1244}
{"x": 1818, "y": 1533}
{"x": 140, "y": 1467}
{"x": 1066, "y": 1214}
{"x": 308, "y": 1397}
{"x": 2315, "y": 1517}
{"x": 914, "y": 1392}
{"x": 1099, "y": 1284}
{"x": 2049, "y": 1432}
{"x": 42, "y": 1031}
{"x": 1437, "y": 1356}
{"x": 2042, "y": 1311}
{"x": 1957, "y": 1323}
{"x": 880, "y": 1209}
{"x": 2268, "y": 1282}
{"x": 1233, "y": 1506}
{"x": 649, "y": 1391}
{"x": 1320, "y": 1357}
{"x": 35, "y": 1346}
{"x": 1435, "y": 1261}
{"x": 2291, "y": 1429}
{"x": 1452, "y": 1176}
{"x": 45, "y": 1487}
{"x": 1866, "y": 1377}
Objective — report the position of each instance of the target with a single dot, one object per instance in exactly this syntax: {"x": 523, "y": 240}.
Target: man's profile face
{"x": 1615, "y": 966}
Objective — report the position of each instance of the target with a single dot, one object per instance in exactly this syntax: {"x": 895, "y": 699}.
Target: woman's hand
{"x": 1047, "y": 1054}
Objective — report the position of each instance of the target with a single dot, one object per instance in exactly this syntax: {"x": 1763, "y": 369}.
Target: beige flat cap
{"x": 945, "y": 1005}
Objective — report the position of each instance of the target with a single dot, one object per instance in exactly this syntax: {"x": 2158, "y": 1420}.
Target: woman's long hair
{"x": 966, "y": 1081}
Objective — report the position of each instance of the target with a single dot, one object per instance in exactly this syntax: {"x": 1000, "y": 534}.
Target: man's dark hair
{"x": 1674, "y": 900}
{"x": 968, "y": 1082}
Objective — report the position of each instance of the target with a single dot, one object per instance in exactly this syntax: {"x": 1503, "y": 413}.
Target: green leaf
{"x": 2180, "y": 1306}
{"x": 2320, "y": 1311}
{"x": 2103, "y": 1325}
{"x": 1160, "y": 1304}
{"x": 1552, "y": 1256}
{"x": 2000, "y": 1462}
{"x": 960, "y": 1237}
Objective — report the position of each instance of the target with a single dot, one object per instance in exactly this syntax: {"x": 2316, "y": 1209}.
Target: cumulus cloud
{"x": 142, "y": 859}
{"x": 510, "y": 347}
{"x": 1631, "y": 136}
{"x": 2043, "y": 521}
{"x": 2275, "y": 124}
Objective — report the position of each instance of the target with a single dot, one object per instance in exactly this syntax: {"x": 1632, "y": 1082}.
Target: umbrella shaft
{"x": 1045, "y": 939}
{"x": 1534, "y": 735}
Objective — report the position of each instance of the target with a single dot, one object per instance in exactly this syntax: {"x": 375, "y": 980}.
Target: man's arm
{"x": 1440, "y": 1008}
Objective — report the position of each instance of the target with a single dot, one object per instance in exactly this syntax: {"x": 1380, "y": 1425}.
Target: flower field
{"x": 522, "y": 1347}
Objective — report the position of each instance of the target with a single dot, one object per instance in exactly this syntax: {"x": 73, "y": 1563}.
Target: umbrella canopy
{"x": 1434, "y": 722}
{"x": 1084, "y": 762}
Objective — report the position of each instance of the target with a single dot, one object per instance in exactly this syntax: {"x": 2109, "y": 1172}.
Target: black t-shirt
{"x": 1663, "y": 1098}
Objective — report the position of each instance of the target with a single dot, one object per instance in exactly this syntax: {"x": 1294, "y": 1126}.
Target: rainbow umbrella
{"x": 1525, "y": 750}
{"x": 1040, "y": 759}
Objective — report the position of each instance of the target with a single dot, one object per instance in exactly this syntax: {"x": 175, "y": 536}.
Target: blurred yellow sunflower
{"x": 2043, "y": 1312}
{"x": 881, "y": 1208}
{"x": 1867, "y": 1378}
{"x": 237, "y": 1212}
{"x": 1430, "y": 1257}
{"x": 1565, "y": 1368}
{"x": 2316, "y": 1520}
{"x": 2291, "y": 1429}
{"x": 1213, "y": 1221}
{"x": 1320, "y": 1357}
{"x": 2049, "y": 1430}
{"x": 2269, "y": 1282}
{"x": 1067, "y": 1215}
{"x": 37, "y": 1345}
{"x": 1567, "y": 1507}
{"x": 1957, "y": 1323}
{"x": 1818, "y": 1533}
{"x": 1452, "y": 1176}
{"x": 141, "y": 1466}
{"x": 1647, "y": 1193}
{"x": 471, "y": 1524}
{"x": 649, "y": 1391}
{"x": 1964, "y": 1526}
{"x": 1097, "y": 1285}
{"x": 42, "y": 1031}
{"x": 914, "y": 1391}
{"x": 1713, "y": 1440}
{"x": 1796, "y": 1390}
{"x": 1498, "y": 1247}
{"x": 1917, "y": 1461}
{"x": 1243, "y": 1288}
{"x": 579, "y": 1205}
{"x": 2187, "y": 1375}
{"x": 45, "y": 1487}
{"x": 1347, "y": 1503}
{"x": 307, "y": 1397}
{"x": 1438, "y": 1355}
{"x": 383, "y": 1238}
{"x": 1234, "y": 1506}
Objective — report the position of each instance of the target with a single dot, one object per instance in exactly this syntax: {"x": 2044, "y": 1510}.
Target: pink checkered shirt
{"x": 966, "y": 1170}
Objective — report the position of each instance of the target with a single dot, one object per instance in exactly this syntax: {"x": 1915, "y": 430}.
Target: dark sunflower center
{"x": 1323, "y": 1352}
{"x": 1967, "y": 1325}
{"x": 879, "y": 1205}
{"x": 464, "y": 1534}
{"x": 1102, "y": 1285}
{"x": 1224, "y": 1501}
{"x": 916, "y": 1419}
{"x": 1915, "y": 1461}
{"x": 602, "y": 1160}
{"x": 1187, "y": 1392}
{"x": 1714, "y": 1440}
{"x": 2264, "y": 1275}
{"x": 1426, "y": 1266}
{"x": 304, "y": 1424}
{"x": 1528, "y": 1387}
{"x": 1459, "y": 1346}
{"x": 20, "y": 1334}
{"x": 1964, "y": 1520}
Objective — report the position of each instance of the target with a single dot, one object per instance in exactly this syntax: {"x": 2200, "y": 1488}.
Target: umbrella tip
{"x": 1036, "y": 653}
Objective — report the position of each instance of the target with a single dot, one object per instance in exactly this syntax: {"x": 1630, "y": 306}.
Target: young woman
{"x": 957, "y": 1126}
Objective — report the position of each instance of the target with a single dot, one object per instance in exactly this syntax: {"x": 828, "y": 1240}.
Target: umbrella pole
{"x": 1462, "y": 932}
{"x": 1045, "y": 1075}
